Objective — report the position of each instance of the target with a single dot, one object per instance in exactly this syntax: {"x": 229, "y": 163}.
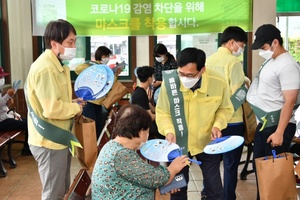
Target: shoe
{"x": 26, "y": 152}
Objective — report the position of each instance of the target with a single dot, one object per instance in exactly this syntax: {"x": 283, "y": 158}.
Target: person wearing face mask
{"x": 163, "y": 61}
{"x": 119, "y": 172}
{"x": 141, "y": 98}
{"x": 48, "y": 93}
{"x": 94, "y": 109}
{"x": 9, "y": 119}
{"x": 102, "y": 55}
{"x": 193, "y": 107}
{"x": 275, "y": 89}
{"x": 226, "y": 62}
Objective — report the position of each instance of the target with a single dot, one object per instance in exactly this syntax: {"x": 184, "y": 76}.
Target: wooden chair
{"x": 7, "y": 137}
{"x": 245, "y": 172}
{"x": 79, "y": 187}
{"x": 107, "y": 131}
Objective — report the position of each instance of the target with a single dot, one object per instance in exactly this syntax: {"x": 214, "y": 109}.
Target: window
{"x": 290, "y": 29}
{"x": 169, "y": 41}
{"x": 118, "y": 46}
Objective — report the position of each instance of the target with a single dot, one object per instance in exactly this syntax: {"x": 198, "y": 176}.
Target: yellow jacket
{"x": 208, "y": 106}
{"x": 49, "y": 92}
{"x": 231, "y": 68}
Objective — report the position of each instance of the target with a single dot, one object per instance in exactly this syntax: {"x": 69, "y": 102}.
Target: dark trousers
{"x": 210, "y": 168}
{"x": 295, "y": 148}
{"x": 262, "y": 148}
{"x": 13, "y": 124}
{"x": 153, "y": 132}
{"x": 231, "y": 161}
{"x": 98, "y": 113}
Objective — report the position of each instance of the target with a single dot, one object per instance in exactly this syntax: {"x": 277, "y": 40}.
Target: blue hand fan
{"x": 109, "y": 83}
{"x": 135, "y": 71}
{"x": 155, "y": 95}
{"x": 178, "y": 152}
{"x": 158, "y": 150}
{"x": 223, "y": 144}
{"x": 94, "y": 82}
{"x": 16, "y": 85}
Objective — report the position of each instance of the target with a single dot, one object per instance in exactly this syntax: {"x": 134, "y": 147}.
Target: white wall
{"x": 20, "y": 38}
{"x": 264, "y": 12}
{"x": 142, "y": 50}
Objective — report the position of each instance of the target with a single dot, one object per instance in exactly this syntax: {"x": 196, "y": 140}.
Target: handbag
{"x": 117, "y": 92}
{"x": 275, "y": 175}
{"x": 85, "y": 132}
{"x": 250, "y": 123}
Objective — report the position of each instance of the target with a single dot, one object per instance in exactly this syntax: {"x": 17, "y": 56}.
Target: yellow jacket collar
{"x": 55, "y": 59}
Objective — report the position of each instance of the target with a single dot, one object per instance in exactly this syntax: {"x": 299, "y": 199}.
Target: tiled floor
{"x": 23, "y": 183}
{"x": 246, "y": 189}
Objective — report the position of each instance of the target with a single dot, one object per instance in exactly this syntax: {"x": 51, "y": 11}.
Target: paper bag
{"x": 250, "y": 123}
{"x": 276, "y": 179}
{"x": 85, "y": 132}
{"x": 297, "y": 169}
{"x": 116, "y": 93}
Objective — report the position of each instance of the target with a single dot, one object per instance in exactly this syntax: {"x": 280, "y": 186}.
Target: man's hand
{"x": 171, "y": 138}
{"x": 215, "y": 133}
{"x": 296, "y": 140}
{"x": 276, "y": 139}
{"x": 78, "y": 114}
{"x": 80, "y": 102}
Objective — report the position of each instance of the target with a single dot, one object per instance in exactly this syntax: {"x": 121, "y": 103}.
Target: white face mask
{"x": 69, "y": 53}
{"x": 105, "y": 60}
{"x": 2, "y": 81}
{"x": 238, "y": 52}
{"x": 143, "y": 143}
{"x": 266, "y": 54}
{"x": 159, "y": 59}
{"x": 188, "y": 82}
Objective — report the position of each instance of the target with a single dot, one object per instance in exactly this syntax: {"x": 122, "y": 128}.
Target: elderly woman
{"x": 119, "y": 172}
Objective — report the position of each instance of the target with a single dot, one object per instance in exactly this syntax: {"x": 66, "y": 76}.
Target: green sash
{"x": 50, "y": 131}
{"x": 239, "y": 97}
{"x": 267, "y": 119}
{"x": 172, "y": 84}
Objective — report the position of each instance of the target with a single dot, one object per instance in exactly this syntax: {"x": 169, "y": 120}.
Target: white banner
{"x": 44, "y": 11}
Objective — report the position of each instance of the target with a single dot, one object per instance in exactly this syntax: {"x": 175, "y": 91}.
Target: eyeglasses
{"x": 243, "y": 45}
{"x": 189, "y": 76}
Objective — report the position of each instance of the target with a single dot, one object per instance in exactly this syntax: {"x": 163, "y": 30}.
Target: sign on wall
{"x": 147, "y": 17}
